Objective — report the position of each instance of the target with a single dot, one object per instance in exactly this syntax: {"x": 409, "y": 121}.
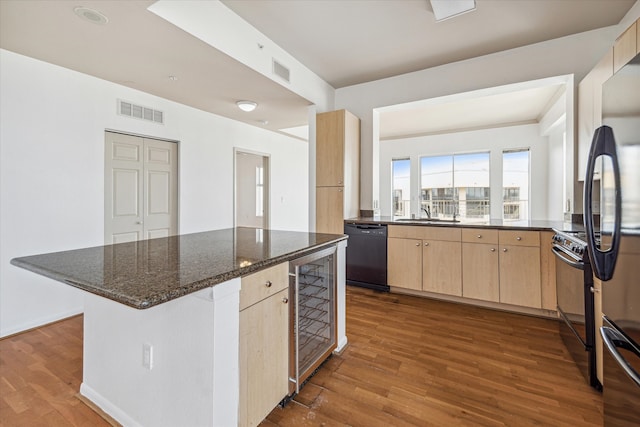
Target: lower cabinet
{"x": 480, "y": 271}
{"x": 501, "y": 266}
{"x": 430, "y": 261}
{"x": 442, "y": 267}
{"x": 264, "y": 343}
{"x": 520, "y": 268}
{"x": 404, "y": 263}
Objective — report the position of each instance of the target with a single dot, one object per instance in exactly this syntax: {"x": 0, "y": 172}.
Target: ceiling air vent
{"x": 281, "y": 71}
{"x": 130, "y": 109}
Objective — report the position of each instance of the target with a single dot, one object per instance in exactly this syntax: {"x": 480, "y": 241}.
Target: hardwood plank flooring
{"x": 410, "y": 362}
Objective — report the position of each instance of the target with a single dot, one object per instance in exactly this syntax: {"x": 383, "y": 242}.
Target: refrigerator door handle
{"x": 613, "y": 340}
{"x": 603, "y": 144}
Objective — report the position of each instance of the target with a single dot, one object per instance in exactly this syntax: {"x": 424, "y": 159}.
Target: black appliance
{"x": 616, "y": 256}
{"x": 574, "y": 283}
{"x": 367, "y": 255}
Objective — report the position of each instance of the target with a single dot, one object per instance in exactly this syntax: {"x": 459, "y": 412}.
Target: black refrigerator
{"x": 612, "y": 222}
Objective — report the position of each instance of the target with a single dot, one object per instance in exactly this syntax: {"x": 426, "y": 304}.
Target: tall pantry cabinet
{"x": 337, "y": 170}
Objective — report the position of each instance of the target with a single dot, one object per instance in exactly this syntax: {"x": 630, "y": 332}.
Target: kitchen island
{"x": 162, "y": 318}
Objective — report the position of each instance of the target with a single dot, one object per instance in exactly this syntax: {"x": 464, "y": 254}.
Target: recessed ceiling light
{"x": 445, "y": 9}
{"x": 246, "y": 105}
{"x": 90, "y": 15}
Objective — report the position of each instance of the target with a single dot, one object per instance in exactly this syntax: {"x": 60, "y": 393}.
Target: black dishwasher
{"x": 367, "y": 255}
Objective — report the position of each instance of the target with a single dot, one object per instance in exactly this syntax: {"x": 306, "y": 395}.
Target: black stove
{"x": 574, "y": 243}
{"x": 574, "y": 286}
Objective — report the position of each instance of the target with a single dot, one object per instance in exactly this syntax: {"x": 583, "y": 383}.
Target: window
{"x": 401, "y": 187}
{"x": 455, "y": 185}
{"x": 515, "y": 185}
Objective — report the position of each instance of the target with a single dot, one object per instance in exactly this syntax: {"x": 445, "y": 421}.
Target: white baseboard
{"x": 342, "y": 343}
{"x": 107, "y": 407}
{"x": 36, "y": 323}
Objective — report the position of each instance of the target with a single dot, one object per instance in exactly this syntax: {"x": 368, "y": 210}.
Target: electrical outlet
{"x": 147, "y": 356}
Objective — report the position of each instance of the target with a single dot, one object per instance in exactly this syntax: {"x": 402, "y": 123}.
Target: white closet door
{"x": 160, "y": 188}
{"x": 141, "y": 200}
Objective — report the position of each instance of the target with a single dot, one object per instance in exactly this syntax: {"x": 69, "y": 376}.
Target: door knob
{"x": 479, "y": 236}
{"x": 426, "y": 243}
{"x": 493, "y": 249}
{"x": 518, "y": 238}
{"x": 417, "y": 244}
{"x": 504, "y": 250}
{"x": 285, "y": 300}
{"x": 268, "y": 283}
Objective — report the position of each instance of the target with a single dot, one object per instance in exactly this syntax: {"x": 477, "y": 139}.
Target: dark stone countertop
{"x": 150, "y": 272}
{"x": 534, "y": 225}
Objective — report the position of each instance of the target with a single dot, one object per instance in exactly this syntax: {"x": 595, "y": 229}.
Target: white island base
{"x": 174, "y": 364}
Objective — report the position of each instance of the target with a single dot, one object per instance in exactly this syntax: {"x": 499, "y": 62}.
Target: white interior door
{"x": 251, "y": 190}
{"x": 141, "y": 188}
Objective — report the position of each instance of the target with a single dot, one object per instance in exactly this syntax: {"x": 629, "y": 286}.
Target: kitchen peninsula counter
{"x": 146, "y": 273}
{"x": 533, "y": 225}
{"x": 162, "y": 327}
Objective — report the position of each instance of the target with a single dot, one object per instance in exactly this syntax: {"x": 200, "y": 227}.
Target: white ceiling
{"x": 343, "y": 41}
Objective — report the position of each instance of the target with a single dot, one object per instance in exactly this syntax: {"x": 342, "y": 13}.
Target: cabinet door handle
{"x": 340, "y": 182}
{"x": 417, "y": 244}
{"x": 340, "y": 190}
{"x": 504, "y": 250}
{"x": 479, "y": 236}
{"x": 285, "y": 300}
{"x": 518, "y": 238}
{"x": 268, "y": 283}
{"x": 493, "y": 249}
{"x": 426, "y": 243}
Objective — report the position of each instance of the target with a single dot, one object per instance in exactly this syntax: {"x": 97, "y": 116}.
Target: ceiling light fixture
{"x": 445, "y": 9}
{"x": 246, "y": 105}
{"x": 90, "y": 15}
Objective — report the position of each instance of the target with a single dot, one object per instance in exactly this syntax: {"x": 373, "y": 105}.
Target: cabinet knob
{"x": 426, "y": 243}
{"x": 138, "y": 222}
{"x": 340, "y": 182}
{"x": 518, "y": 238}
{"x": 268, "y": 283}
{"x": 593, "y": 290}
{"x": 340, "y": 190}
{"x": 285, "y": 300}
{"x": 504, "y": 250}
{"x": 479, "y": 236}
{"x": 493, "y": 249}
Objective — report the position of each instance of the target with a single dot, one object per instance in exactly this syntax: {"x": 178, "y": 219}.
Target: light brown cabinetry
{"x": 425, "y": 258}
{"x": 337, "y": 170}
{"x": 520, "y": 268}
{"x": 404, "y": 259}
{"x": 264, "y": 343}
{"x": 480, "y": 266}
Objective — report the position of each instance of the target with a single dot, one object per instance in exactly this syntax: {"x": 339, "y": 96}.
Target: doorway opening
{"x": 251, "y": 185}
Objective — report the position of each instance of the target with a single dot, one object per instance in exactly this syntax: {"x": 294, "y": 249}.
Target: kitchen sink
{"x": 427, "y": 220}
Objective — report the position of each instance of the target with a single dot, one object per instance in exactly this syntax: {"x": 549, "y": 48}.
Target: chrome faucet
{"x": 427, "y": 211}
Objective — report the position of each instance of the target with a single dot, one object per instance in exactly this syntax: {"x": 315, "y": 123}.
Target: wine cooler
{"x": 313, "y": 325}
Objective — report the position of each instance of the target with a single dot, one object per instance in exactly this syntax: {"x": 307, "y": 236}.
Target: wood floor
{"x": 410, "y": 362}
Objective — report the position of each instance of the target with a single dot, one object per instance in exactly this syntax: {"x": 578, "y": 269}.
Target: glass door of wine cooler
{"x": 313, "y": 324}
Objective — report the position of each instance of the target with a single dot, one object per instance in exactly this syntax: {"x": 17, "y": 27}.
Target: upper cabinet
{"x": 626, "y": 47}
{"x": 337, "y": 149}
{"x": 337, "y": 170}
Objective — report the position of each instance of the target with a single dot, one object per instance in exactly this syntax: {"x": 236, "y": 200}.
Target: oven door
{"x": 575, "y": 307}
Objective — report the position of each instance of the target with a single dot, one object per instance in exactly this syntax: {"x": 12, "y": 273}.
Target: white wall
{"x": 575, "y": 54}
{"x": 486, "y": 140}
{"x": 52, "y": 165}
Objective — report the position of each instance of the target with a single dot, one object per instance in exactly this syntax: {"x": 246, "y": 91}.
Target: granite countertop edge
{"x": 532, "y": 225}
{"x": 163, "y": 297}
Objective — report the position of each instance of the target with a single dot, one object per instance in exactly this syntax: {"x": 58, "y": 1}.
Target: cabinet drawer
{"x": 425, "y": 232}
{"x": 262, "y": 284}
{"x": 480, "y": 235}
{"x": 519, "y": 238}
